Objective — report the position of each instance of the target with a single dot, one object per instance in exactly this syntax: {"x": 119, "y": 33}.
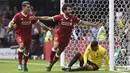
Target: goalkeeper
{"x": 91, "y": 60}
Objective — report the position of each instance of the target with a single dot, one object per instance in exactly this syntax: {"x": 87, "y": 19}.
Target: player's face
{"x": 27, "y": 8}
{"x": 68, "y": 11}
{"x": 95, "y": 48}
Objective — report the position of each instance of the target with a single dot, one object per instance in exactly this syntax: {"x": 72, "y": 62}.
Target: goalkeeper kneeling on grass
{"x": 91, "y": 60}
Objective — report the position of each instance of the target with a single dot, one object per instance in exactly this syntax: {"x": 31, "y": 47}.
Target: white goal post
{"x": 111, "y": 35}
{"x": 62, "y": 57}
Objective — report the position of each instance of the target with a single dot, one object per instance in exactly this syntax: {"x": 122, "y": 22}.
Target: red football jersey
{"x": 65, "y": 25}
{"x": 24, "y": 24}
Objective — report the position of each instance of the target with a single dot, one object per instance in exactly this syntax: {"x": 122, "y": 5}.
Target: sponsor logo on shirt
{"x": 66, "y": 23}
{"x": 26, "y": 22}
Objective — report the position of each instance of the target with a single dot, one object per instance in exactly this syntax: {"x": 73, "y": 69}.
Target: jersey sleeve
{"x": 76, "y": 19}
{"x": 56, "y": 18}
{"x": 85, "y": 56}
{"x": 15, "y": 19}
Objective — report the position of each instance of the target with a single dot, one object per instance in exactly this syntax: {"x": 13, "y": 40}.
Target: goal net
{"x": 98, "y": 11}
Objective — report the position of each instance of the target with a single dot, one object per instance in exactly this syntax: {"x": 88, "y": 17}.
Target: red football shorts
{"x": 63, "y": 42}
{"x": 26, "y": 40}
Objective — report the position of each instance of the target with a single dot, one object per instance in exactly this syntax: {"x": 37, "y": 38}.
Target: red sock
{"x": 20, "y": 56}
{"x": 25, "y": 60}
{"x": 55, "y": 59}
{"x": 53, "y": 52}
{"x": 52, "y": 55}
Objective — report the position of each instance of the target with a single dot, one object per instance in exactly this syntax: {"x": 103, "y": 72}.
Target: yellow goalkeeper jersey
{"x": 96, "y": 56}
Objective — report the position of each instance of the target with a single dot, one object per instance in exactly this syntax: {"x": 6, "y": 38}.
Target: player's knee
{"x": 56, "y": 45}
{"x": 21, "y": 46}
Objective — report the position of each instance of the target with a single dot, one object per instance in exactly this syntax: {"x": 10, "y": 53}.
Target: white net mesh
{"x": 97, "y": 11}
{"x": 121, "y": 17}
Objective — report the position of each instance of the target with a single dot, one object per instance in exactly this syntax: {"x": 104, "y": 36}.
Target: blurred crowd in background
{"x": 5, "y": 16}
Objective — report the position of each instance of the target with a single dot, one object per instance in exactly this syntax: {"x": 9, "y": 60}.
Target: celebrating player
{"x": 66, "y": 23}
{"x": 23, "y": 26}
{"x": 91, "y": 60}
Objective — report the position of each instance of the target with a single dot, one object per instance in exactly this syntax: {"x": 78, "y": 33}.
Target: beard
{"x": 69, "y": 14}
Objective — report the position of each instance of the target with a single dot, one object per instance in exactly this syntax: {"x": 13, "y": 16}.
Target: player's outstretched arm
{"x": 87, "y": 23}
{"x": 41, "y": 18}
{"x": 11, "y": 26}
{"x": 44, "y": 26}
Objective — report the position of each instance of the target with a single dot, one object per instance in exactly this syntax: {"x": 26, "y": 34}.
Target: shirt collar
{"x": 24, "y": 14}
{"x": 66, "y": 17}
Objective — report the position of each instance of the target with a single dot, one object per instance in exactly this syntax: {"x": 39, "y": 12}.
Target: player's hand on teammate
{"x": 7, "y": 29}
{"x": 32, "y": 18}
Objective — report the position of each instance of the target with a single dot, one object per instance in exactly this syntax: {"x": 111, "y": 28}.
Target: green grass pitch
{"x": 39, "y": 66}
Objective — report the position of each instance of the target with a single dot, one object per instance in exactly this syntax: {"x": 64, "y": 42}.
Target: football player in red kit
{"x": 66, "y": 23}
{"x": 23, "y": 25}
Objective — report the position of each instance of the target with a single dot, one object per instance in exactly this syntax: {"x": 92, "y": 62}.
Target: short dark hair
{"x": 25, "y": 2}
{"x": 94, "y": 44}
{"x": 65, "y": 7}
